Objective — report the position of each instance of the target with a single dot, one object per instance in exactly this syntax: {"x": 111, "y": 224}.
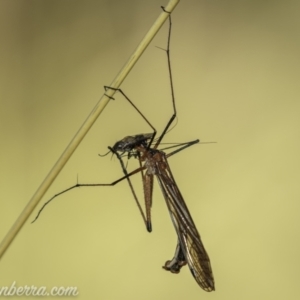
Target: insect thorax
{"x": 131, "y": 141}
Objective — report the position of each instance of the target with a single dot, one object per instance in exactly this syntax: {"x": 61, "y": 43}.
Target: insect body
{"x": 154, "y": 162}
{"x": 189, "y": 248}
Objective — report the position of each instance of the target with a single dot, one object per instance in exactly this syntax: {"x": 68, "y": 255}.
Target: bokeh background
{"x": 236, "y": 73}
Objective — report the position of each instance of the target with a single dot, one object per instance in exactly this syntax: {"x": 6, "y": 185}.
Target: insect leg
{"x": 87, "y": 184}
{"x": 135, "y": 107}
{"x": 148, "y": 187}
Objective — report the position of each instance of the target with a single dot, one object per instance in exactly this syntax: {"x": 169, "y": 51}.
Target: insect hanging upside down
{"x": 154, "y": 162}
{"x": 189, "y": 249}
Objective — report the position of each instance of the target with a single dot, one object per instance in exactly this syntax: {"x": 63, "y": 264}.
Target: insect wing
{"x": 190, "y": 243}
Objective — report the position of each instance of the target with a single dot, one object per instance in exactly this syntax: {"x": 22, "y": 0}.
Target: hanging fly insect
{"x": 154, "y": 162}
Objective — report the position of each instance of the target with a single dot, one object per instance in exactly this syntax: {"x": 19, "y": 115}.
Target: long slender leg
{"x": 185, "y": 145}
{"x": 147, "y": 218}
{"x": 172, "y": 94}
{"x": 89, "y": 184}
{"x": 135, "y": 107}
{"x": 171, "y": 84}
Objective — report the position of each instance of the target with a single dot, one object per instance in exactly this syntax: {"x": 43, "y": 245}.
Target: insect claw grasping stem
{"x": 106, "y": 88}
{"x": 163, "y": 8}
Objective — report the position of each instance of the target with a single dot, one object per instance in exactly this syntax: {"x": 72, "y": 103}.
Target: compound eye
{"x": 118, "y": 147}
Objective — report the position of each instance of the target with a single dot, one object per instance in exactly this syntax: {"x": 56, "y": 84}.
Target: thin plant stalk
{"x": 83, "y": 130}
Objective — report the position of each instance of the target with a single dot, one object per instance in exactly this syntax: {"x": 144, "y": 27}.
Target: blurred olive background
{"x": 236, "y": 71}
